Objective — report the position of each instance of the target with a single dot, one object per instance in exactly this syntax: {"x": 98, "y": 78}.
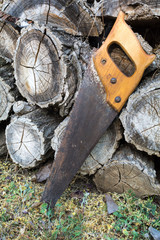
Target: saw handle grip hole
{"x": 121, "y": 59}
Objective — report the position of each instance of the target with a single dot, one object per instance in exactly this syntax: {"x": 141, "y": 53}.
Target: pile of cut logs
{"x": 45, "y": 46}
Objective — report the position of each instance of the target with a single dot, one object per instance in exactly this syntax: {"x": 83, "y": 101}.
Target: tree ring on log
{"x": 20, "y": 137}
{"x": 128, "y": 170}
{"x": 28, "y": 137}
{"x": 25, "y": 135}
{"x": 39, "y": 67}
{"x": 141, "y": 119}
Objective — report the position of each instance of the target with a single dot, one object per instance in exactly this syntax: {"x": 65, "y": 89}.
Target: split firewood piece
{"x": 46, "y": 71}
{"x": 141, "y": 119}
{"x": 134, "y": 10}
{"x": 39, "y": 68}
{"x": 128, "y": 170}
{"x": 3, "y": 148}
{"x": 71, "y": 16}
{"x": 28, "y": 137}
{"x": 22, "y": 107}
{"x": 8, "y": 39}
{"x": 101, "y": 153}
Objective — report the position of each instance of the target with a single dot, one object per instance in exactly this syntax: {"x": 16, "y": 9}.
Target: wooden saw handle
{"x": 120, "y": 89}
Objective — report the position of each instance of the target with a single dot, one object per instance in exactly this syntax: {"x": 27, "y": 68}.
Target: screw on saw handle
{"x": 118, "y": 86}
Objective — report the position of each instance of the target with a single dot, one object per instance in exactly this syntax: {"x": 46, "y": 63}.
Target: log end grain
{"x": 128, "y": 170}
{"x": 141, "y": 117}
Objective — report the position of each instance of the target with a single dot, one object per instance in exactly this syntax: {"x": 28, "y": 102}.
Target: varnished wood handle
{"x": 120, "y": 89}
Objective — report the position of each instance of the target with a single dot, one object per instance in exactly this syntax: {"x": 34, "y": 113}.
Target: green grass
{"x": 80, "y": 214}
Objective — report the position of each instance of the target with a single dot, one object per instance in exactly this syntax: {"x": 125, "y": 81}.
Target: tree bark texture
{"x": 71, "y": 16}
{"x": 141, "y": 10}
{"x": 128, "y": 170}
{"x": 8, "y": 39}
{"x": 8, "y": 90}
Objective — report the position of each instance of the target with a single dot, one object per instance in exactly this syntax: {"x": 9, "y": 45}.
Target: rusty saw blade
{"x": 101, "y": 96}
{"x": 89, "y": 119}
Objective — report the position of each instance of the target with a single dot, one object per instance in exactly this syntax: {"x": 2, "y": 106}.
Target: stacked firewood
{"x": 45, "y": 47}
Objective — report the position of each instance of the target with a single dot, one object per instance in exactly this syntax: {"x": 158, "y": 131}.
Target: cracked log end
{"x": 39, "y": 68}
{"x": 141, "y": 119}
{"x": 28, "y": 137}
{"x": 128, "y": 170}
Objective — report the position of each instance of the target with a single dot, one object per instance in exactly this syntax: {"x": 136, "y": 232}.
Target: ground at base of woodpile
{"x": 80, "y": 214}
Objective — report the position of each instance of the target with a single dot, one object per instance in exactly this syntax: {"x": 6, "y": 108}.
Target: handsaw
{"x": 102, "y": 94}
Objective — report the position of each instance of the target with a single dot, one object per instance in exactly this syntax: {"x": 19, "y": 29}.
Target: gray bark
{"x": 71, "y": 16}
{"x": 8, "y": 39}
{"x": 141, "y": 10}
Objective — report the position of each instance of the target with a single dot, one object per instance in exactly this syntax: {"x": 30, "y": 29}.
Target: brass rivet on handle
{"x": 113, "y": 80}
{"x": 117, "y": 99}
{"x": 103, "y": 61}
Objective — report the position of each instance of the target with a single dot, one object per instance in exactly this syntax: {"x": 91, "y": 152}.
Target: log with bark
{"x": 8, "y": 91}
{"x": 8, "y": 39}
{"x": 141, "y": 118}
{"x": 141, "y": 10}
{"x": 128, "y": 170}
{"x": 47, "y": 69}
{"x": 71, "y": 16}
{"x": 6, "y": 100}
{"x": 28, "y": 136}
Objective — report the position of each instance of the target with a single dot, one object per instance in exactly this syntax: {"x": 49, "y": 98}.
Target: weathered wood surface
{"x": 22, "y": 107}
{"x": 141, "y": 119}
{"x": 8, "y": 39}
{"x": 135, "y": 10}
{"x": 71, "y": 16}
{"x": 3, "y": 147}
{"x": 128, "y": 170}
{"x": 6, "y": 100}
{"x": 28, "y": 137}
{"x": 47, "y": 69}
{"x": 101, "y": 153}
{"x": 8, "y": 91}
